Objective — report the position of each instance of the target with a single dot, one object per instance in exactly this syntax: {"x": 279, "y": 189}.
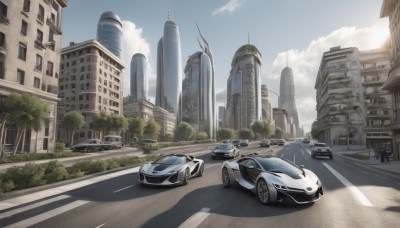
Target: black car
{"x": 224, "y": 151}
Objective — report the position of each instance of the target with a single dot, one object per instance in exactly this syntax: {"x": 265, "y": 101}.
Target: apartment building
{"x": 30, "y": 41}
{"x": 91, "y": 80}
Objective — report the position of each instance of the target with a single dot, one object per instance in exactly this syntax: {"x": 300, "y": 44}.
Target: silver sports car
{"x": 171, "y": 169}
{"x": 273, "y": 179}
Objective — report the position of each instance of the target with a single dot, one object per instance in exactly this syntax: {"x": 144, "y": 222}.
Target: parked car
{"x": 273, "y": 179}
{"x": 244, "y": 142}
{"x": 306, "y": 140}
{"x": 226, "y": 141}
{"x": 88, "y": 146}
{"x": 171, "y": 169}
{"x": 280, "y": 142}
{"x": 321, "y": 149}
{"x": 273, "y": 142}
{"x": 113, "y": 141}
{"x": 224, "y": 151}
{"x": 264, "y": 143}
{"x": 236, "y": 142}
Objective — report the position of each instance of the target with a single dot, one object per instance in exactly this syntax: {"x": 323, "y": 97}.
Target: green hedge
{"x": 38, "y": 156}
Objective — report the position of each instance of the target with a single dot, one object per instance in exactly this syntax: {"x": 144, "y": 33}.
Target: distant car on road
{"x": 244, "y": 142}
{"x": 273, "y": 142}
{"x": 281, "y": 142}
{"x": 264, "y": 143}
{"x": 225, "y": 150}
{"x": 236, "y": 142}
{"x": 321, "y": 149}
{"x": 88, "y": 146}
{"x": 306, "y": 140}
{"x": 226, "y": 141}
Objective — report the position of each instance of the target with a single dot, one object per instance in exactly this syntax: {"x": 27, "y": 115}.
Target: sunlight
{"x": 380, "y": 37}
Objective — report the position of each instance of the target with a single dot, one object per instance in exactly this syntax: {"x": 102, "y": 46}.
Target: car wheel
{"x": 225, "y": 178}
{"x": 201, "y": 170}
{"x": 262, "y": 191}
{"x": 213, "y": 158}
{"x": 186, "y": 177}
{"x": 313, "y": 155}
{"x": 330, "y": 156}
{"x": 87, "y": 149}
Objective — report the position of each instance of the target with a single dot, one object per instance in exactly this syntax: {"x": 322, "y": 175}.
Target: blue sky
{"x": 303, "y": 29}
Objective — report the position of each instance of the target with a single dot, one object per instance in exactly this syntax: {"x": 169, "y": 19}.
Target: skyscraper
{"x": 109, "y": 32}
{"x": 138, "y": 77}
{"x": 266, "y": 106}
{"x": 169, "y": 70}
{"x": 287, "y": 100}
{"x": 198, "y": 92}
{"x": 243, "y": 105}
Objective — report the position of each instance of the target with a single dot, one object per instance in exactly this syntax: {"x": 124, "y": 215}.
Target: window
{"x": 43, "y": 87}
{"x": 99, "y": 100}
{"x": 2, "y": 39}
{"x": 40, "y": 15}
{"x": 38, "y": 64}
{"x": 22, "y": 51}
{"x": 24, "y": 27}
{"x": 82, "y": 77}
{"x": 20, "y": 76}
{"x": 49, "y": 70}
{"x": 36, "y": 83}
{"x": 27, "y": 5}
{"x": 3, "y": 10}
{"x": 82, "y": 68}
{"x": 1, "y": 69}
{"x": 39, "y": 36}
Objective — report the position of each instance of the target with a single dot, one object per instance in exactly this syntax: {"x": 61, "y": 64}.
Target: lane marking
{"x": 294, "y": 158}
{"x": 100, "y": 225}
{"x": 196, "y": 219}
{"x": 32, "y": 206}
{"x": 47, "y": 215}
{"x": 357, "y": 193}
{"x": 123, "y": 189}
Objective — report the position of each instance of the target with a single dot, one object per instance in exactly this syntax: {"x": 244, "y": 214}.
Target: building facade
{"x": 281, "y": 119}
{"x": 30, "y": 43}
{"x": 391, "y": 9}
{"x": 138, "y": 108}
{"x": 167, "y": 121}
{"x": 109, "y": 32}
{"x": 287, "y": 96}
{"x": 340, "y": 98}
{"x": 243, "y": 105}
{"x": 91, "y": 80}
{"x": 375, "y": 66}
{"x": 169, "y": 70}
{"x": 139, "y": 77}
{"x": 221, "y": 117}
{"x": 267, "y": 116}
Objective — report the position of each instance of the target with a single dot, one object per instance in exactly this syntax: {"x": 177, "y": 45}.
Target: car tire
{"x": 331, "y": 157}
{"x": 213, "y": 158}
{"x": 201, "y": 170}
{"x": 313, "y": 155}
{"x": 88, "y": 149}
{"x": 225, "y": 178}
{"x": 262, "y": 191}
{"x": 186, "y": 177}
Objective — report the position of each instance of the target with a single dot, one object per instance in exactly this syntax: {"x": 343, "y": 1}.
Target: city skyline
{"x": 344, "y": 24}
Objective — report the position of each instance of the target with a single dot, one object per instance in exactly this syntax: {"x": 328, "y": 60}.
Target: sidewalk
{"x": 393, "y": 166}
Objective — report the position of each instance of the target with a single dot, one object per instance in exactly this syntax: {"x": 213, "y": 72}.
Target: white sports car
{"x": 273, "y": 179}
{"x": 171, "y": 169}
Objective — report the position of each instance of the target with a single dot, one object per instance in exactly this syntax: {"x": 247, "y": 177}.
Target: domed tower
{"x": 138, "y": 77}
{"x": 109, "y": 32}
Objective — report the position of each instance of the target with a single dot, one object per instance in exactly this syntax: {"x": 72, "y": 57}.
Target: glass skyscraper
{"x": 109, "y": 32}
{"x": 169, "y": 70}
{"x": 287, "y": 100}
{"x": 138, "y": 77}
{"x": 243, "y": 105}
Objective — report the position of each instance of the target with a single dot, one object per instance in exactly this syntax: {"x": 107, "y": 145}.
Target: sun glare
{"x": 380, "y": 38}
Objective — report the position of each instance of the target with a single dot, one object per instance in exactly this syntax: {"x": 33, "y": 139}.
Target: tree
{"x": 152, "y": 129}
{"x": 27, "y": 112}
{"x": 116, "y": 124}
{"x": 168, "y": 137}
{"x": 259, "y": 129}
{"x": 225, "y": 133}
{"x": 202, "y": 136}
{"x": 100, "y": 123}
{"x": 279, "y": 133}
{"x": 136, "y": 126}
{"x": 72, "y": 121}
{"x": 4, "y": 113}
{"x": 183, "y": 131}
{"x": 315, "y": 133}
{"x": 245, "y": 133}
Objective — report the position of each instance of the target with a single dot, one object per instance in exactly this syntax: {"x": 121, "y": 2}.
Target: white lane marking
{"x": 357, "y": 193}
{"x": 196, "y": 219}
{"x": 100, "y": 225}
{"x": 49, "y": 214}
{"x": 122, "y": 189}
{"x": 16, "y": 201}
{"x": 294, "y": 158}
{"x": 29, "y": 207}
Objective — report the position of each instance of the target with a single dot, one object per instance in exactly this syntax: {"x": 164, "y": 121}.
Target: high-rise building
{"x": 91, "y": 80}
{"x": 287, "y": 96}
{"x": 169, "y": 70}
{"x": 221, "y": 116}
{"x": 267, "y": 116}
{"x": 109, "y": 32}
{"x": 30, "y": 41}
{"x": 243, "y": 105}
{"x": 197, "y": 92}
{"x": 138, "y": 77}
{"x": 281, "y": 119}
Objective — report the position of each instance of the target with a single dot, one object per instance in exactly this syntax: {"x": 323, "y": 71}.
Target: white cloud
{"x": 134, "y": 42}
{"x": 305, "y": 64}
{"x": 230, "y": 6}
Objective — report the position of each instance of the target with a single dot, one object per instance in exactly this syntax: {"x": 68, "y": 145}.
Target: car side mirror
{"x": 191, "y": 157}
{"x": 251, "y": 167}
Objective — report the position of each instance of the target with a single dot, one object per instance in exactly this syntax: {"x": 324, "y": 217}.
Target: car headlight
{"x": 280, "y": 187}
{"x": 142, "y": 171}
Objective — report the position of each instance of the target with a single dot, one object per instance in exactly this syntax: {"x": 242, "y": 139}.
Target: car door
{"x": 253, "y": 170}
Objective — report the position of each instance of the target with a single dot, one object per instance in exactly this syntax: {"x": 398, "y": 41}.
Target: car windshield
{"x": 171, "y": 160}
{"x": 224, "y": 147}
{"x": 278, "y": 165}
{"x": 320, "y": 145}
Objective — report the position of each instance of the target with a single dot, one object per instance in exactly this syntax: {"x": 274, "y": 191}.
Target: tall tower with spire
{"x": 169, "y": 69}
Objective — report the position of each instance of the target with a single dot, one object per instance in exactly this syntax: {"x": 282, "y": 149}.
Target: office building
{"x": 287, "y": 96}
{"x": 267, "y": 116}
{"x": 138, "y": 77}
{"x": 30, "y": 41}
{"x": 221, "y": 117}
{"x": 109, "y": 32}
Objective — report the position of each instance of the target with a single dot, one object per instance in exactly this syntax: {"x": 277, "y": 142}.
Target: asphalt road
{"x": 354, "y": 196}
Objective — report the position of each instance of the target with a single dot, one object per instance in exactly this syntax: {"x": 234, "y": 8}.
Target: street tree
{"x": 202, "y": 136}
{"x": 279, "y": 133}
{"x": 117, "y": 124}
{"x": 259, "y": 129}
{"x": 225, "y": 133}
{"x": 27, "y": 112}
{"x": 152, "y": 129}
{"x": 183, "y": 131}
{"x": 100, "y": 123}
{"x": 315, "y": 133}
{"x": 72, "y": 121}
{"x": 136, "y": 126}
{"x": 245, "y": 133}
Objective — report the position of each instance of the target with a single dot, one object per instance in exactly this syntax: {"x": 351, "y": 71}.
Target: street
{"x": 354, "y": 196}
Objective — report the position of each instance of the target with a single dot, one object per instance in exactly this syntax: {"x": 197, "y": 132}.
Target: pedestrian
{"x": 383, "y": 153}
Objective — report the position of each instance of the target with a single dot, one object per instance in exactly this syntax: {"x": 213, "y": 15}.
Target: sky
{"x": 301, "y": 30}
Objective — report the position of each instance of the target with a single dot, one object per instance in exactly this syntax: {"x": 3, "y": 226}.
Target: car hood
{"x": 308, "y": 182}
{"x": 159, "y": 169}
{"x": 222, "y": 151}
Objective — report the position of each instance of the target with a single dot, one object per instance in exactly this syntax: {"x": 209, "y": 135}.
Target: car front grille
{"x": 156, "y": 179}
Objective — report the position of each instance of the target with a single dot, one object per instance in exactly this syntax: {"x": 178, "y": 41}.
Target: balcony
{"x": 374, "y": 68}
{"x": 378, "y": 116}
{"x": 39, "y": 45}
{"x": 3, "y": 51}
{"x": 53, "y": 26}
{"x": 373, "y": 82}
{"x": 339, "y": 90}
{"x": 63, "y": 3}
{"x": 4, "y": 20}
{"x": 339, "y": 79}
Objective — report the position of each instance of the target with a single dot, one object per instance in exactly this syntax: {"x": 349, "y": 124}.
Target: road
{"x": 354, "y": 196}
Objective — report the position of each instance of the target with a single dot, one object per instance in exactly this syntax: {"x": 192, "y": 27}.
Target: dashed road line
{"x": 196, "y": 219}
{"x": 123, "y": 189}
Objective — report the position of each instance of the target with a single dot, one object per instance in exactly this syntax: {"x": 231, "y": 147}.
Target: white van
{"x": 114, "y": 141}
